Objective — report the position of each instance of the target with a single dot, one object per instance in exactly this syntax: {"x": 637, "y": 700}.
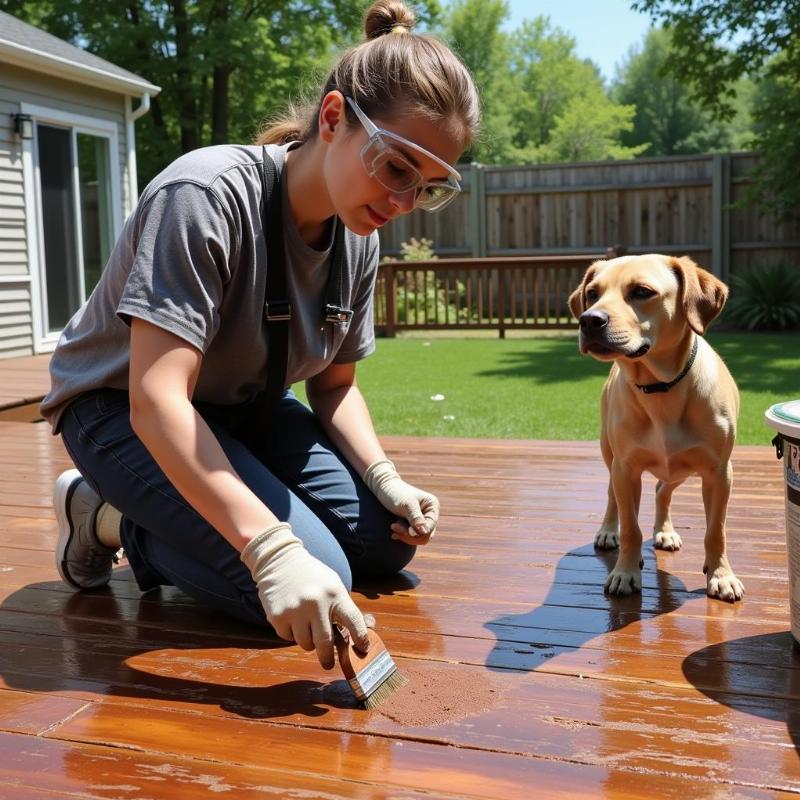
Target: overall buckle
{"x": 278, "y": 311}
{"x": 335, "y": 313}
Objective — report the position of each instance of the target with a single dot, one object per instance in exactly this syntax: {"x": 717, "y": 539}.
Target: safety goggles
{"x": 395, "y": 172}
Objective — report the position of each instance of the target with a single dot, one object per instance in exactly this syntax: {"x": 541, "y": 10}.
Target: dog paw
{"x": 667, "y": 540}
{"x": 606, "y": 540}
{"x": 724, "y": 585}
{"x": 624, "y": 581}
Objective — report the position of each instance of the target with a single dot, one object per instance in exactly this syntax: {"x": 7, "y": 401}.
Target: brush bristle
{"x": 396, "y": 680}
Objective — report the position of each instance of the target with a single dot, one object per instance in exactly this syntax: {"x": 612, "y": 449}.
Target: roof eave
{"x": 29, "y": 58}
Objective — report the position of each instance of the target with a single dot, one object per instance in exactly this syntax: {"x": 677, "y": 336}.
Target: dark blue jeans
{"x": 297, "y": 472}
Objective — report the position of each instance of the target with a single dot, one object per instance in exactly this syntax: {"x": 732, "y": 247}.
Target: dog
{"x": 669, "y": 405}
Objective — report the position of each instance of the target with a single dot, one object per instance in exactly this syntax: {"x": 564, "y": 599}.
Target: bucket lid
{"x": 785, "y": 418}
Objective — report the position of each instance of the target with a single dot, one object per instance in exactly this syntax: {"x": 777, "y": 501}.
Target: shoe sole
{"x": 62, "y": 496}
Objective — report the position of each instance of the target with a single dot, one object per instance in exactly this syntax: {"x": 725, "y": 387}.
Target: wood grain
{"x": 668, "y": 694}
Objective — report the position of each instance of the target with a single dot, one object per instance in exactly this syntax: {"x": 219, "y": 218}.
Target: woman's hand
{"x": 419, "y": 508}
{"x": 301, "y": 596}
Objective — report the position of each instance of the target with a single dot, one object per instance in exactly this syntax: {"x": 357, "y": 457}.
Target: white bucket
{"x": 785, "y": 418}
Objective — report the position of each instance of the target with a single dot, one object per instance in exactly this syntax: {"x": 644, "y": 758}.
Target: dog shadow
{"x": 160, "y": 645}
{"x": 576, "y": 609}
{"x": 757, "y": 675}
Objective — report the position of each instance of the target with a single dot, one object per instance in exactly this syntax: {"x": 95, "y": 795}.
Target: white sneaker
{"x": 82, "y": 559}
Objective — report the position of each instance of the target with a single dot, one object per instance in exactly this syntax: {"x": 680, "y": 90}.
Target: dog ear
{"x": 702, "y": 294}
{"x": 577, "y": 300}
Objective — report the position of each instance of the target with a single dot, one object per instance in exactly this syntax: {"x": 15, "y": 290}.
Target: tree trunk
{"x": 187, "y": 106}
{"x": 221, "y": 84}
{"x": 219, "y": 105}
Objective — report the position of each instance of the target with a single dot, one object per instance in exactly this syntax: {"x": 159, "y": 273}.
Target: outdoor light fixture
{"x": 23, "y": 125}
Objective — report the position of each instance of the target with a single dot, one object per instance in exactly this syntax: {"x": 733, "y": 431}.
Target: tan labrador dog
{"x": 669, "y": 405}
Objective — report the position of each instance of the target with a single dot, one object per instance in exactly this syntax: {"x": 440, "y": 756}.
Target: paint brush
{"x": 373, "y": 676}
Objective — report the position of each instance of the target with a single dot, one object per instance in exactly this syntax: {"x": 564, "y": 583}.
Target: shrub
{"x": 766, "y": 298}
{"x": 423, "y": 294}
{"x": 417, "y": 250}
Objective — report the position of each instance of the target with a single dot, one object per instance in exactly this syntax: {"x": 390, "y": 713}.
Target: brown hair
{"x": 394, "y": 71}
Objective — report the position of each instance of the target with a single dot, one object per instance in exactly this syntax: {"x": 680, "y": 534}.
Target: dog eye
{"x": 642, "y": 292}
{"x": 591, "y": 295}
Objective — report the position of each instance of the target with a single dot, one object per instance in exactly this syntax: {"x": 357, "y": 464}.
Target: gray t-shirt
{"x": 192, "y": 259}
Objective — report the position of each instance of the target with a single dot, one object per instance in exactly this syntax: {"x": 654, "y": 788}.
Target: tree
{"x": 776, "y": 111}
{"x": 531, "y": 84}
{"x": 668, "y": 119}
{"x": 714, "y": 45}
{"x": 223, "y": 65}
{"x": 589, "y": 129}
{"x": 473, "y": 29}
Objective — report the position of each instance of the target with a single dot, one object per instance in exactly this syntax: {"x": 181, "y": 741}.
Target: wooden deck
{"x": 528, "y": 681}
{"x": 23, "y": 384}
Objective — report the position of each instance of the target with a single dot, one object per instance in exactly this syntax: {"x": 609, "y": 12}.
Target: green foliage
{"x": 427, "y": 298}
{"x": 716, "y": 43}
{"x": 533, "y": 89}
{"x": 668, "y": 120}
{"x": 776, "y": 111}
{"x": 417, "y": 250}
{"x": 713, "y": 46}
{"x": 765, "y": 299}
{"x": 473, "y": 30}
{"x": 588, "y": 130}
{"x": 223, "y": 66}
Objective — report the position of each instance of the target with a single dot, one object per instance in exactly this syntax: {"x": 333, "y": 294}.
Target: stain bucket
{"x": 785, "y": 418}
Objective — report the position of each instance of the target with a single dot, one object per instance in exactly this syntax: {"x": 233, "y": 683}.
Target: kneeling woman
{"x": 239, "y": 494}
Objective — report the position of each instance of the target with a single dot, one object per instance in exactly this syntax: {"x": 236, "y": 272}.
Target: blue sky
{"x": 603, "y": 29}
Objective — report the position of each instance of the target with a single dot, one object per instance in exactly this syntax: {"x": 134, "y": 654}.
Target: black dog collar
{"x": 663, "y": 386}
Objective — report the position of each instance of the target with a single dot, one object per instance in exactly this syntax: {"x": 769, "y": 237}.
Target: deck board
{"x": 668, "y": 694}
{"x": 24, "y": 382}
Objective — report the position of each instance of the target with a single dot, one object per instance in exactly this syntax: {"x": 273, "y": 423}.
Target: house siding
{"x": 18, "y": 86}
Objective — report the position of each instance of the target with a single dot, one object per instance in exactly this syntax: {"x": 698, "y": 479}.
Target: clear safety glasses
{"x": 394, "y": 171}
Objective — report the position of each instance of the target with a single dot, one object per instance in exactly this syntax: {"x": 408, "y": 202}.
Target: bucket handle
{"x": 778, "y": 444}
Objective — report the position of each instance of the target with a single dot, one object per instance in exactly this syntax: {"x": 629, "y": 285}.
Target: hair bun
{"x": 386, "y": 16}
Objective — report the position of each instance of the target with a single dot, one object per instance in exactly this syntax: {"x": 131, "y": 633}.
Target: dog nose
{"x": 593, "y": 320}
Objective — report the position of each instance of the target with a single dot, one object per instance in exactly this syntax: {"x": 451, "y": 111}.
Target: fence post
{"x": 477, "y": 209}
{"x": 390, "y": 283}
{"x": 720, "y": 214}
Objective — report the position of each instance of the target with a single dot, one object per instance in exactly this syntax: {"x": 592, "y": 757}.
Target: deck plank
{"x": 24, "y": 382}
{"x": 669, "y": 694}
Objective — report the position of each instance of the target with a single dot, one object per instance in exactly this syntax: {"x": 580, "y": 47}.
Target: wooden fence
{"x": 477, "y": 293}
{"x": 678, "y": 205}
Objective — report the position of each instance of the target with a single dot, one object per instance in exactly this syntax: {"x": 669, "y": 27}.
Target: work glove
{"x": 301, "y": 596}
{"x": 420, "y": 509}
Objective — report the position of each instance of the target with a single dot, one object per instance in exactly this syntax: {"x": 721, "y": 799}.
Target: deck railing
{"x": 477, "y": 293}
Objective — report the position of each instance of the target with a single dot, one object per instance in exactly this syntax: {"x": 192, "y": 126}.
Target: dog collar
{"x": 663, "y": 386}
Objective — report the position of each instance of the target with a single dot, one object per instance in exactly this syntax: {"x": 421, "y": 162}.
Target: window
{"x": 76, "y": 211}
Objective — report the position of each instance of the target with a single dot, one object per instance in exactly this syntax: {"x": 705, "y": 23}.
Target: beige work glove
{"x": 420, "y": 509}
{"x": 301, "y": 596}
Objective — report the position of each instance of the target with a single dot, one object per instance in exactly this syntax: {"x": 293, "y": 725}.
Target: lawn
{"x": 541, "y": 387}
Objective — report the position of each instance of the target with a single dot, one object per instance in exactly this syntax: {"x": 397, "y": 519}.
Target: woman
{"x": 243, "y": 497}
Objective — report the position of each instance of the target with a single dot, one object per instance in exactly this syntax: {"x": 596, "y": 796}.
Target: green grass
{"x": 541, "y": 387}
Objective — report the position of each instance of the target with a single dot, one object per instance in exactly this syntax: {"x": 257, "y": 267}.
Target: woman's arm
{"x": 340, "y": 407}
{"x": 163, "y": 374}
{"x": 301, "y": 596}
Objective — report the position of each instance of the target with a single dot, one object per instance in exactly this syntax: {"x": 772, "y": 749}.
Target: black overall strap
{"x": 277, "y": 308}
{"x": 335, "y": 308}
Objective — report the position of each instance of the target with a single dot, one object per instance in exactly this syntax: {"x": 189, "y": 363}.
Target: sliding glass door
{"x": 76, "y": 216}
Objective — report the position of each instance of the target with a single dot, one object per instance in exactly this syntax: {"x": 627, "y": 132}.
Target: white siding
{"x": 23, "y": 86}
{"x": 16, "y": 325}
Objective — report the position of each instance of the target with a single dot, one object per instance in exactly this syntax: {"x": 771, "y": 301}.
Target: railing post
{"x": 390, "y": 283}
{"x": 720, "y": 214}
{"x": 501, "y": 301}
